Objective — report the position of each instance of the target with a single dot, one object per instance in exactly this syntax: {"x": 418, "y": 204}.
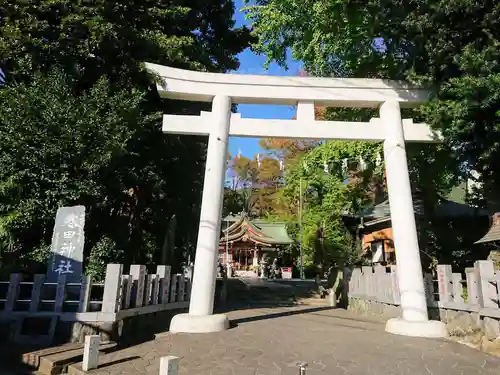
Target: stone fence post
{"x": 173, "y": 288}
{"x": 396, "y": 295}
{"x": 379, "y": 276}
{"x": 456, "y": 279}
{"x": 85, "y": 292}
{"x": 12, "y": 292}
{"x": 473, "y": 285}
{"x": 138, "y": 273}
{"x": 111, "y": 300}
{"x": 164, "y": 273}
{"x": 367, "y": 281}
{"x": 488, "y": 289}
{"x": 445, "y": 282}
{"x": 429, "y": 289}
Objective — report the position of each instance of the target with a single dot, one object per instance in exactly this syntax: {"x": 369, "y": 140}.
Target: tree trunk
{"x": 135, "y": 227}
{"x": 168, "y": 256}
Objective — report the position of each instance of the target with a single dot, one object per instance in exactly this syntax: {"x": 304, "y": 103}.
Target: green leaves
{"x": 331, "y": 189}
{"x": 81, "y": 121}
{"x": 57, "y": 147}
{"x": 451, "y": 46}
{"x": 92, "y": 39}
{"x": 105, "y": 251}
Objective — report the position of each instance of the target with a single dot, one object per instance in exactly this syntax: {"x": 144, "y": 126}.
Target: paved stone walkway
{"x": 271, "y": 342}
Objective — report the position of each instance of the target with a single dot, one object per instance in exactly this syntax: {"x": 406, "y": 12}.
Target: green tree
{"x": 92, "y": 39}
{"x": 331, "y": 187}
{"x": 252, "y": 185}
{"x": 101, "y": 45}
{"x": 105, "y": 251}
{"x": 57, "y": 149}
{"x": 450, "y": 46}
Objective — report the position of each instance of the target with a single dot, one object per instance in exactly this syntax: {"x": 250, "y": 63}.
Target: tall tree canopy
{"x": 96, "y": 150}
{"x": 451, "y": 46}
{"x": 95, "y": 38}
{"x": 252, "y": 185}
{"x": 321, "y": 176}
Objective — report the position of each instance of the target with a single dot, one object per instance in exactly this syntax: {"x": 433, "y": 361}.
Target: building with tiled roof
{"x": 248, "y": 240}
{"x": 375, "y": 226}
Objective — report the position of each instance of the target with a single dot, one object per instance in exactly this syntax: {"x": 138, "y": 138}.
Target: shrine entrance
{"x": 223, "y": 90}
{"x": 245, "y": 242}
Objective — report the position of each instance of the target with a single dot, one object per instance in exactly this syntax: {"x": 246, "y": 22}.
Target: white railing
{"x": 120, "y": 296}
{"x": 478, "y": 291}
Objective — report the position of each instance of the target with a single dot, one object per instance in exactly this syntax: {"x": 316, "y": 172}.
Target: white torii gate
{"x": 305, "y": 92}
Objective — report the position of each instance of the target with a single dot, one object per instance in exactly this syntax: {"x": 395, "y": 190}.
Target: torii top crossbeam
{"x": 305, "y": 92}
{"x": 259, "y": 89}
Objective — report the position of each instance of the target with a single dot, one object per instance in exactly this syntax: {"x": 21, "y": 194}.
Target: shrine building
{"x": 450, "y": 214}
{"x": 247, "y": 241}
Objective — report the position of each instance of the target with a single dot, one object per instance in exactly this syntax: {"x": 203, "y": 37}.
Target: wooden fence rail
{"x": 121, "y": 295}
{"x": 478, "y": 291}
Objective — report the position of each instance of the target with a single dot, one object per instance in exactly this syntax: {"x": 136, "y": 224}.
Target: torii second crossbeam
{"x": 297, "y": 129}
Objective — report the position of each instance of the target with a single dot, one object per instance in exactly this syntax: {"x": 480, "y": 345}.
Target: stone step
{"x": 32, "y": 359}
{"x": 314, "y": 302}
{"x": 55, "y": 360}
{"x": 269, "y": 293}
{"x": 250, "y": 288}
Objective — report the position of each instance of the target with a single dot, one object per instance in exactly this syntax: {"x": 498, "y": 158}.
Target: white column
{"x": 410, "y": 278}
{"x": 200, "y": 318}
{"x": 205, "y": 266}
{"x": 409, "y": 267}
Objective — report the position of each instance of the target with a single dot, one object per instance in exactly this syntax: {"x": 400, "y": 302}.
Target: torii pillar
{"x": 223, "y": 90}
{"x": 415, "y": 319}
{"x": 201, "y": 318}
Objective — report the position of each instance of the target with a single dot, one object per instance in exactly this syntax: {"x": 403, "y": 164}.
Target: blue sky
{"x": 254, "y": 64}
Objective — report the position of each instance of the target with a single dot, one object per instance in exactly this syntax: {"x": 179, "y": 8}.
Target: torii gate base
{"x": 429, "y": 328}
{"x": 223, "y": 90}
{"x": 187, "y": 323}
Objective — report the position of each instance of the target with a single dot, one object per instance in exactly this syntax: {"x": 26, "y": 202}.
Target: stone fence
{"x": 38, "y": 310}
{"x": 470, "y": 305}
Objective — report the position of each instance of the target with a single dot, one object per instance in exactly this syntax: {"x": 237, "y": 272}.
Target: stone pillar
{"x": 200, "y": 318}
{"x": 90, "y": 359}
{"x": 169, "y": 365}
{"x": 414, "y": 320}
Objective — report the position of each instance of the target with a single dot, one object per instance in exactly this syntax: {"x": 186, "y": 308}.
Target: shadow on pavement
{"x": 236, "y": 322}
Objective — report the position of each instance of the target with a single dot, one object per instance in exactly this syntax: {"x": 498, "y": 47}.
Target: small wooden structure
{"x": 493, "y": 234}
{"x": 492, "y": 237}
{"x": 246, "y": 241}
{"x": 375, "y": 227}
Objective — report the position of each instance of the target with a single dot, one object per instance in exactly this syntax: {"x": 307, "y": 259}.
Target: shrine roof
{"x": 493, "y": 234}
{"x": 452, "y": 206}
{"x": 242, "y": 228}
